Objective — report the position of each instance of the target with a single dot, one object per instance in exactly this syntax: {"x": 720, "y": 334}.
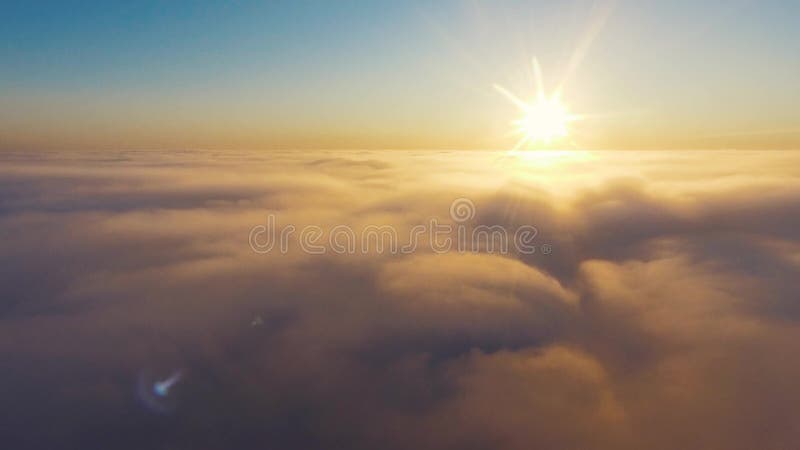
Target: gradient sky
{"x": 261, "y": 75}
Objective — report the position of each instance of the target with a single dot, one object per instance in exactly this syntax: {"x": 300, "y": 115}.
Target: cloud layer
{"x": 665, "y": 317}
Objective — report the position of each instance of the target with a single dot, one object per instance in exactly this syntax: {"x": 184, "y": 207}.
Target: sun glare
{"x": 545, "y": 120}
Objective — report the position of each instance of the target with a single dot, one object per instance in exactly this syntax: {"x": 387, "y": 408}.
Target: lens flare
{"x": 155, "y": 393}
{"x": 161, "y": 388}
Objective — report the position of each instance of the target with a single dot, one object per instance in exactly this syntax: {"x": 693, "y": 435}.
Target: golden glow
{"x": 551, "y": 156}
{"x": 523, "y": 160}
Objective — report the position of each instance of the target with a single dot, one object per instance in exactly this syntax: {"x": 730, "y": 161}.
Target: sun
{"x": 545, "y": 120}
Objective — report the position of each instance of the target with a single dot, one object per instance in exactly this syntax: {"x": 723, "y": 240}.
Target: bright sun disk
{"x": 544, "y": 120}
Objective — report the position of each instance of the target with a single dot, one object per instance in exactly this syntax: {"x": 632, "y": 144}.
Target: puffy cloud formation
{"x": 663, "y": 315}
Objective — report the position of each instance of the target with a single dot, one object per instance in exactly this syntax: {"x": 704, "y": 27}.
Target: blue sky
{"x": 392, "y": 74}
